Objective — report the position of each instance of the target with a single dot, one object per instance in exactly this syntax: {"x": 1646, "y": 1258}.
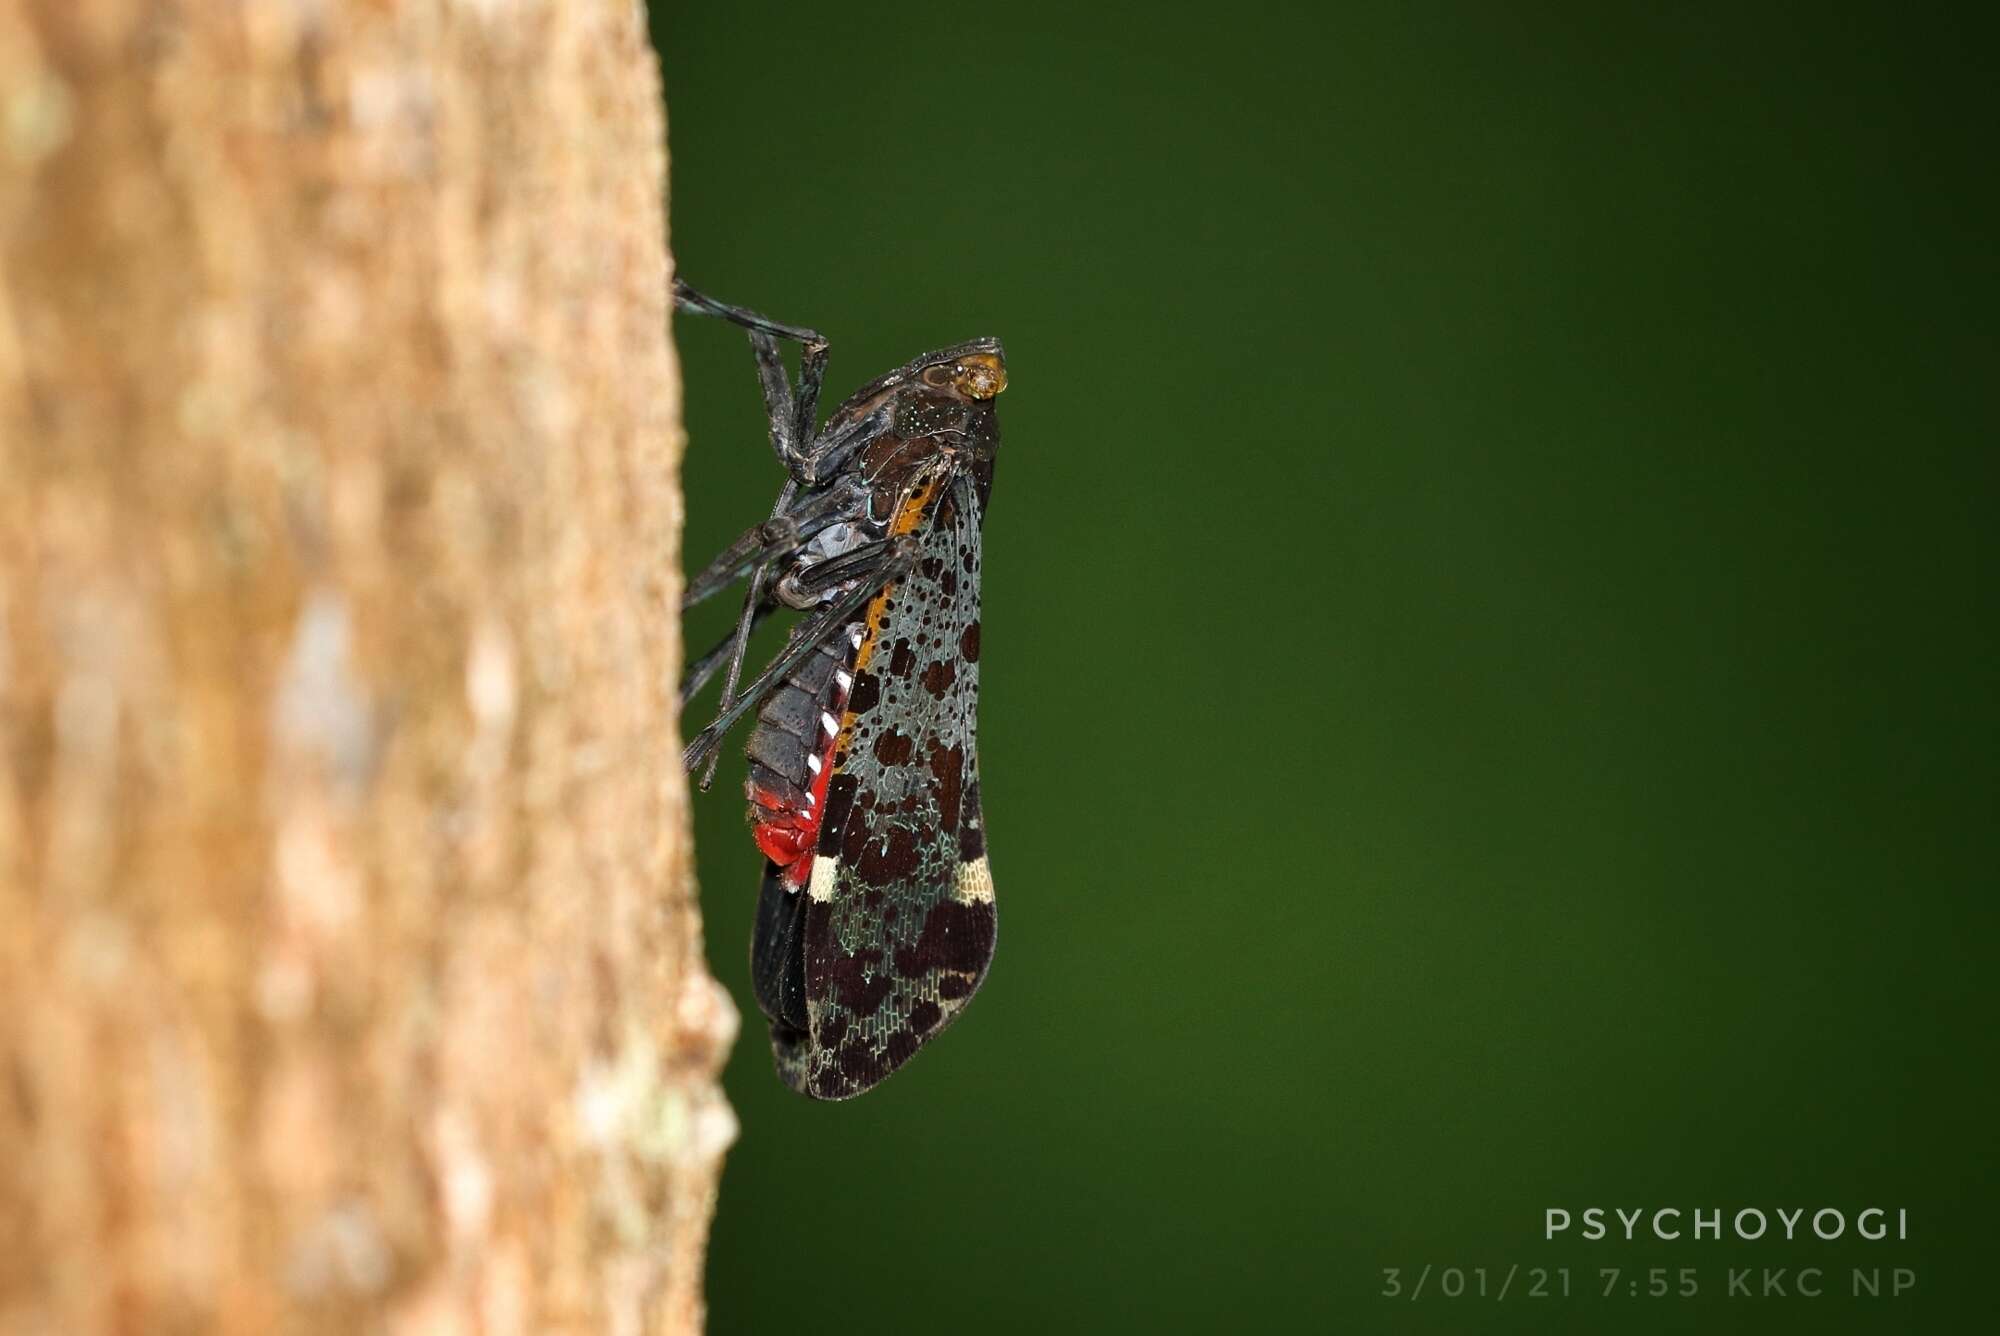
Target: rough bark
{"x": 350, "y": 975}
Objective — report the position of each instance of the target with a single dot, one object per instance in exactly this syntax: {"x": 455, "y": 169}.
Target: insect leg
{"x": 893, "y": 560}
{"x": 739, "y": 642}
{"x": 792, "y": 415}
{"x": 702, "y": 669}
{"x": 802, "y": 588}
{"x": 826, "y": 454}
{"x": 775, "y": 537}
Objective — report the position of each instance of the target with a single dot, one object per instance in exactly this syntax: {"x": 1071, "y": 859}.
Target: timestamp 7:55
{"x": 1535, "y": 1282}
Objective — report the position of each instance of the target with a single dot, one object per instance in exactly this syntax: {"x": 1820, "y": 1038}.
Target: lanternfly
{"x": 875, "y": 920}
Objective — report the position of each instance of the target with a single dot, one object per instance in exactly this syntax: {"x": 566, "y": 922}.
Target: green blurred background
{"x": 1488, "y": 684}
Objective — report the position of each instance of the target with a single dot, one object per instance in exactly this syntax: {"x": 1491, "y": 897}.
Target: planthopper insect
{"x": 875, "y": 919}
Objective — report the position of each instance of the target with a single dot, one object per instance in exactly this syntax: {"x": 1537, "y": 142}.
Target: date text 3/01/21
{"x": 875, "y": 921}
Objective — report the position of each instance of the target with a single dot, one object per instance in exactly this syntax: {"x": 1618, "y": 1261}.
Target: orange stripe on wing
{"x": 908, "y": 516}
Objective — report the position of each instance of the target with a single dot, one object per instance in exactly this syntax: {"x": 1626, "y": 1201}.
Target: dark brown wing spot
{"x": 924, "y": 1016}
{"x": 901, "y": 1047}
{"x": 894, "y": 747}
{"x": 849, "y": 979}
{"x": 971, "y": 831}
{"x": 902, "y": 659}
{"x": 857, "y": 1065}
{"x": 833, "y": 817}
{"x": 968, "y": 642}
{"x": 937, "y": 678}
{"x": 881, "y": 862}
{"x": 947, "y": 765}
{"x": 956, "y": 937}
{"x": 856, "y": 837}
{"x": 832, "y": 1030}
{"x": 867, "y": 693}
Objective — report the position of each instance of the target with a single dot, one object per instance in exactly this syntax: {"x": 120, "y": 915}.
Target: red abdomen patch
{"x": 785, "y": 831}
{"x": 791, "y": 758}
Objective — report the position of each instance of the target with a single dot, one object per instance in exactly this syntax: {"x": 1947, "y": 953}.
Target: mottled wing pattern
{"x": 898, "y": 920}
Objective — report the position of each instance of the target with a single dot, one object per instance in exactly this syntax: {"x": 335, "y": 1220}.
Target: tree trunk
{"x": 350, "y": 972}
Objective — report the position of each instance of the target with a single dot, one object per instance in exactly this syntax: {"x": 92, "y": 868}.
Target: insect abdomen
{"x": 791, "y": 751}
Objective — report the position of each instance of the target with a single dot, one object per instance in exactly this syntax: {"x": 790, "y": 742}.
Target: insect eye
{"x": 938, "y": 376}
